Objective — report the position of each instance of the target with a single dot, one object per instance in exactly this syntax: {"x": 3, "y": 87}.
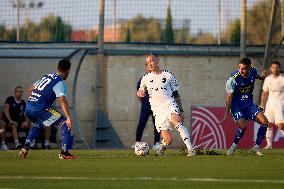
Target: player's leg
{"x": 46, "y": 133}
{"x": 261, "y": 119}
{"x": 3, "y": 135}
{"x": 143, "y": 118}
{"x": 177, "y": 122}
{"x": 67, "y": 142}
{"x": 269, "y": 113}
{"x": 156, "y": 135}
{"x": 163, "y": 126}
{"x": 279, "y": 119}
{"x": 14, "y": 128}
{"x": 238, "y": 136}
{"x": 166, "y": 141}
{"x": 239, "y": 118}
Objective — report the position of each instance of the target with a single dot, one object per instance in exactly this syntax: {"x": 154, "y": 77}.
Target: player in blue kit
{"x": 239, "y": 103}
{"x": 41, "y": 113}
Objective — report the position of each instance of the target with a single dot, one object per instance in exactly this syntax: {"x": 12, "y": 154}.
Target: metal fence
{"x": 130, "y": 21}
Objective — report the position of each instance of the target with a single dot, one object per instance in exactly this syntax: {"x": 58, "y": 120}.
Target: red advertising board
{"x": 207, "y": 134}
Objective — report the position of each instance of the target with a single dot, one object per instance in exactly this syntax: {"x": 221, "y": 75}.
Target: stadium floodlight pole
{"x": 18, "y": 19}
{"x": 270, "y": 33}
{"x": 282, "y": 19}
{"x": 243, "y": 29}
{"x": 100, "y": 74}
{"x": 101, "y": 26}
{"x": 219, "y": 22}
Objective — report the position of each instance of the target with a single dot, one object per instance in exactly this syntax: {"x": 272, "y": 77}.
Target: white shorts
{"x": 274, "y": 113}
{"x": 163, "y": 117}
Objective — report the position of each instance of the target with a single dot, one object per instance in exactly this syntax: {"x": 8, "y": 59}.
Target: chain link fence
{"x": 145, "y": 21}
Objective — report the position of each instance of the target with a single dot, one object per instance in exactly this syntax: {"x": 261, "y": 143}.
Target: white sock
{"x": 46, "y": 142}
{"x": 269, "y": 136}
{"x": 16, "y": 142}
{"x": 282, "y": 132}
{"x": 32, "y": 143}
{"x": 184, "y": 136}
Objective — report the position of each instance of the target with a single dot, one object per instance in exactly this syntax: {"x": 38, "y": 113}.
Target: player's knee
{"x": 176, "y": 119}
{"x": 265, "y": 122}
{"x": 168, "y": 140}
{"x": 280, "y": 126}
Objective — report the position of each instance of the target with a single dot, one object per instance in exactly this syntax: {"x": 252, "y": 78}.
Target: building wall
{"x": 202, "y": 82}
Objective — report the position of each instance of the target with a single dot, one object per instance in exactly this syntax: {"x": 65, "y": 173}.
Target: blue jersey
{"x": 241, "y": 87}
{"x": 45, "y": 91}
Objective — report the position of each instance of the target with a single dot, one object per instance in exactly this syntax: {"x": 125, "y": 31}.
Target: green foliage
{"x": 51, "y": 28}
{"x": 128, "y": 35}
{"x": 142, "y": 29}
{"x": 236, "y": 33}
{"x": 169, "y": 32}
{"x": 258, "y": 18}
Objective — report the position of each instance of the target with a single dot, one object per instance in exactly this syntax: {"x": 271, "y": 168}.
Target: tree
{"x": 202, "y": 38}
{"x": 128, "y": 35}
{"x": 258, "y": 18}
{"x": 169, "y": 32}
{"x": 142, "y": 29}
{"x": 258, "y": 23}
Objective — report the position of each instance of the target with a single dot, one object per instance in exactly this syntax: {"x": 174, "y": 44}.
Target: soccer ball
{"x": 141, "y": 148}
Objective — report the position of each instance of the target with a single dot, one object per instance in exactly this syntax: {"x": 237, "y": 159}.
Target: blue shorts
{"x": 46, "y": 117}
{"x": 247, "y": 112}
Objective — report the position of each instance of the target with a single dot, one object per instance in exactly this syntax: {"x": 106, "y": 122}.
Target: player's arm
{"x": 32, "y": 87}
{"x": 179, "y": 103}
{"x": 263, "y": 75}
{"x": 230, "y": 86}
{"x": 264, "y": 94}
{"x": 142, "y": 88}
{"x": 65, "y": 109}
{"x": 60, "y": 91}
{"x": 7, "y": 112}
{"x": 137, "y": 88}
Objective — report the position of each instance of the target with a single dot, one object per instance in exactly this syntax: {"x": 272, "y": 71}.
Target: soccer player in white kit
{"x": 272, "y": 99}
{"x": 165, "y": 103}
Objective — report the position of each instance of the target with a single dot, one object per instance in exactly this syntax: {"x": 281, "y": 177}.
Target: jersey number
{"x": 42, "y": 83}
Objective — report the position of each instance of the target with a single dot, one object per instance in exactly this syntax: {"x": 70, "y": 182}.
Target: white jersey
{"x": 275, "y": 88}
{"x": 160, "y": 88}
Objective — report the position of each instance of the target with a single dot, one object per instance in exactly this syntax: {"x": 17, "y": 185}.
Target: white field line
{"x": 144, "y": 179}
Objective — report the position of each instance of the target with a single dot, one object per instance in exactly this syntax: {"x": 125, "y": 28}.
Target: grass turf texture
{"x": 123, "y": 169}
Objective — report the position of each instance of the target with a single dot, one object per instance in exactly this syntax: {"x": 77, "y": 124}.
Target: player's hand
{"x": 25, "y": 125}
{"x": 265, "y": 73}
{"x": 13, "y": 122}
{"x": 140, "y": 94}
{"x": 222, "y": 120}
{"x": 69, "y": 123}
{"x": 182, "y": 116}
{"x": 262, "y": 108}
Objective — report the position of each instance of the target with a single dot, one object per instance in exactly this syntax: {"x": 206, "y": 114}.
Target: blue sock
{"x": 70, "y": 141}
{"x": 33, "y": 134}
{"x": 66, "y": 138}
{"x": 260, "y": 134}
{"x": 239, "y": 134}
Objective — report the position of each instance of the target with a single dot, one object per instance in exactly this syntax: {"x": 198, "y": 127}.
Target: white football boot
{"x": 232, "y": 149}
{"x": 257, "y": 150}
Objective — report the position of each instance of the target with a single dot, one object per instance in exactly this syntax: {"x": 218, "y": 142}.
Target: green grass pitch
{"x": 123, "y": 169}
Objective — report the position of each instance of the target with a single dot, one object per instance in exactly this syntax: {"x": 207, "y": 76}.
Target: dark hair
{"x": 245, "y": 61}
{"x": 275, "y": 62}
{"x": 64, "y": 65}
{"x": 152, "y": 54}
{"x": 18, "y": 87}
